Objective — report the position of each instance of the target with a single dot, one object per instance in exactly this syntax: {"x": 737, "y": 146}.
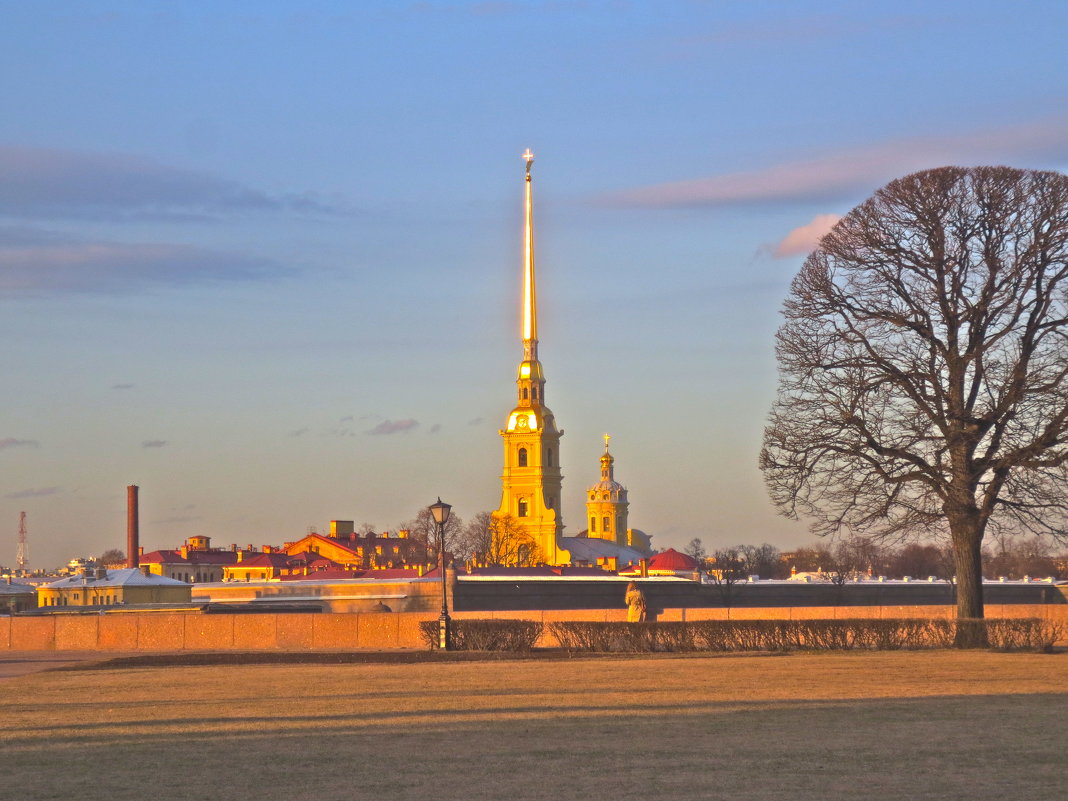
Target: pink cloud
{"x": 393, "y": 427}
{"x": 840, "y": 175}
{"x": 11, "y": 442}
{"x": 32, "y": 493}
{"x": 804, "y": 238}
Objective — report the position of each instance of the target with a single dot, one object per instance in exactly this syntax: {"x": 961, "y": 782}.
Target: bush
{"x": 795, "y": 635}
{"x": 485, "y": 635}
{"x": 1022, "y": 634}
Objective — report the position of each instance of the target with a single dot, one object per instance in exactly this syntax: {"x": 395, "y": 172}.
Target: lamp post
{"x": 441, "y": 511}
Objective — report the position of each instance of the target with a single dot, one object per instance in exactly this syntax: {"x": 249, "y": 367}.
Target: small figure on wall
{"x": 635, "y": 601}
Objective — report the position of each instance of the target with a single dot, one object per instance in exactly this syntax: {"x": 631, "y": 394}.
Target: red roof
{"x": 264, "y": 560}
{"x": 166, "y": 557}
{"x": 672, "y": 560}
{"x": 324, "y": 575}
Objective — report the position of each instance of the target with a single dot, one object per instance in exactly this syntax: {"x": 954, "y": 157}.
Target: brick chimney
{"x": 133, "y": 534}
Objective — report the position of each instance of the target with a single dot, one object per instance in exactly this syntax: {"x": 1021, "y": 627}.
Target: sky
{"x": 263, "y": 259}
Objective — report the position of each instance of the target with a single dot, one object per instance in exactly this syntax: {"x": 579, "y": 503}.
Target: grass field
{"x": 892, "y": 725}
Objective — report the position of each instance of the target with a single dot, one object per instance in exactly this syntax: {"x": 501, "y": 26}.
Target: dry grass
{"x": 899, "y": 725}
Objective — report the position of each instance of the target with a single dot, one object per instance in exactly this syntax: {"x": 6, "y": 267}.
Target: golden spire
{"x": 606, "y": 438}
{"x": 530, "y": 311}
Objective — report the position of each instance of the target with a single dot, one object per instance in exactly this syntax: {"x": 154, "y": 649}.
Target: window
{"x": 534, "y": 392}
{"x": 522, "y": 508}
{"x": 524, "y": 393}
{"x": 593, "y": 525}
{"x": 549, "y": 457}
{"x": 522, "y": 457}
{"x": 607, "y": 524}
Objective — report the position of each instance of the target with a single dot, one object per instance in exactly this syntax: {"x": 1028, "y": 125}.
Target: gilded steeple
{"x": 531, "y": 482}
{"x": 530, "y": 381}
{"x": 530, "y": 303}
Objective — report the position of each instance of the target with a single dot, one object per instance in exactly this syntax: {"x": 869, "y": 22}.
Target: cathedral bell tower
{"x": 531, "y": 480}
{"x": 606, "y": 507}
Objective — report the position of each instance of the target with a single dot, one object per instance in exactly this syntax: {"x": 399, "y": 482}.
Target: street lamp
{"x": 441, "y": 511}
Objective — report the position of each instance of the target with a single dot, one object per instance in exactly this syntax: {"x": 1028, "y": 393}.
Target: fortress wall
{"x": 166, "y": 631}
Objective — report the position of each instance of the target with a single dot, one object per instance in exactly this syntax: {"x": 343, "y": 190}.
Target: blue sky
{"x": 263, "y": 259}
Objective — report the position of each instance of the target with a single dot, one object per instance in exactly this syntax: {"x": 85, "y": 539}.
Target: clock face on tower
{"x": 521, "y": 421}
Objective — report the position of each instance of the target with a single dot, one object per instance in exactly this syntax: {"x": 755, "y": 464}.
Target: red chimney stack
{"x": 133, "y": 534}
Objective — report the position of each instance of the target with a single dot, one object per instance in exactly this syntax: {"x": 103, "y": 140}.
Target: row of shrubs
{"x": 485, "y": 635}
{"x": 1007, "y": 634}
{"x": 795, "y": 635}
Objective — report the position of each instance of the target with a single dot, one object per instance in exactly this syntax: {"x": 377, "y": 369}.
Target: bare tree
{"x": 475, "y": 541}
{"x": 696, "y": 550}
{"x": 761, "y": 560}
{"x": 728, "y": 569}
{"x": 924, "y": 368}
{"x": 424, "y": 531}
{"x": 510, "y": 544}
{"x": 864, "y": 554}
{"x": 112, "y": 557}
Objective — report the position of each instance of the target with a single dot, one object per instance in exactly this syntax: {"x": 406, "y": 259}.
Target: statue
{"x": 635, "y": 601}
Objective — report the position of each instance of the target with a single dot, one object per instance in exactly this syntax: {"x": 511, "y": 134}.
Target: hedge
{"x": 485, "y": 635}
{"x": 792, "y": 635}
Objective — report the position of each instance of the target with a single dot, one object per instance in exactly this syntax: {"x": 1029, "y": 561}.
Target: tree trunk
{"x": 967, "y": 557}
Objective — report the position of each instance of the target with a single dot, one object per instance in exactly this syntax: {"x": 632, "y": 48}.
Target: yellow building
{"x": 606, "y": 504}
{"x": 531, "y": 481}
{"x": 103, "y": 587}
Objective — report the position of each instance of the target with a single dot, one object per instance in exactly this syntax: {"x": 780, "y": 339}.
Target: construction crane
{"x": 22, "y": 556}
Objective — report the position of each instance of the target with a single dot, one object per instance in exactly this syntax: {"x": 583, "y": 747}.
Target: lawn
{"x": 891, "y": 725}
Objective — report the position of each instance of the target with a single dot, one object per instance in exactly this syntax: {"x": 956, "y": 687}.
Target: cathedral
{"x": 532, "y": 481}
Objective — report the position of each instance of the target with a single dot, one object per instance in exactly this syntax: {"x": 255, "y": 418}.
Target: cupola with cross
{"x": 606, "y": 504}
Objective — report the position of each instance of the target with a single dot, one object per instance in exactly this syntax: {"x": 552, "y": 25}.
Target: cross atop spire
{"x": 606, "y": 438}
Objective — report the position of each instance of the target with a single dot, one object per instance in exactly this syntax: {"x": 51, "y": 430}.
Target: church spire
{"x": 531, "y": 481}
{"x": 530, "y": 306}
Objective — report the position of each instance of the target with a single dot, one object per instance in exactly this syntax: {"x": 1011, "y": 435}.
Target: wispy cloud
{"x": 775, "y": 30}
{"x": 50, "y": 183}
{"x": 805, "y": 237}
{"x": 39, "y": 492}
{"x": 11, "y": 442}
{"x": 842, "y": 175}
{"x": 122, "y": 386}
{"x": 34, "y": 262}
{"x": 394, "y": 426}
{"x": 154, "y": 443}
{"x": 475, "y": 421}
{"x": 434, "y": 429}
{"x": 300, "y": 432}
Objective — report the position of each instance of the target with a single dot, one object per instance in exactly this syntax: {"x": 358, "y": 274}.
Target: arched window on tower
{"x": 522, "y": 507}
{"x": 607, "y": 524}
{"x": 524, "y": 393}
{"x": 522, "y": 460}
{"x": 548, "y": 457}
{"x": 534, "y": 393}
{"x": 593, "y": 525}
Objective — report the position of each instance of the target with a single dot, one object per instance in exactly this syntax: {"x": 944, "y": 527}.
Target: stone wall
{"x": 193, "y": 631}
